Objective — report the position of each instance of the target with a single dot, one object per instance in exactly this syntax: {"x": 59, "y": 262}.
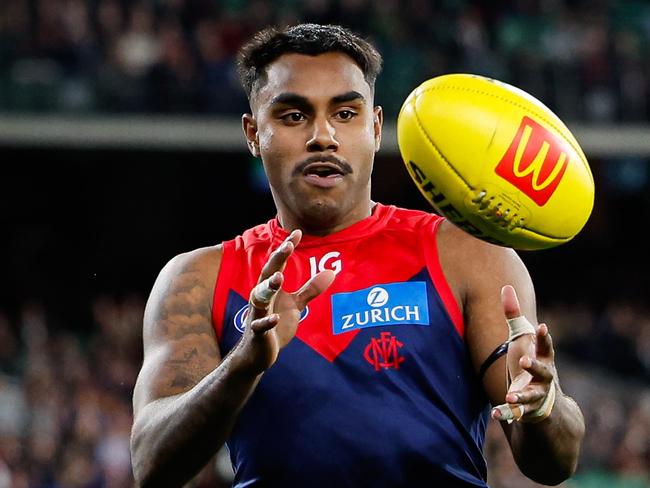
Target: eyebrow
{"x": 292, "y": 99}
{"x": 350, "y": 96}
{"x": 298, "y": 101}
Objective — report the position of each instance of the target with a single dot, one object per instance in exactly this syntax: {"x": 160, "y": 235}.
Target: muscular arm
{"x": 186, "y": 399}
{"x": 546, "y": 452}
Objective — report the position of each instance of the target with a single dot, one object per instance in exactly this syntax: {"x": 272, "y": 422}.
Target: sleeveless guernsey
{"x": 376, "y": 389}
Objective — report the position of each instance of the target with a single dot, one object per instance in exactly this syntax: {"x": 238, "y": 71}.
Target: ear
{"x": 378, "y": 122}
{"x": 249, "y": 125}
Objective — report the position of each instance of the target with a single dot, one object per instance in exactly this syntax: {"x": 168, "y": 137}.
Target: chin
{"x": 320, "y": 215}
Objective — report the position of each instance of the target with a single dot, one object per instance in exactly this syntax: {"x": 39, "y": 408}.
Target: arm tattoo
{"x": 184, "y": 323}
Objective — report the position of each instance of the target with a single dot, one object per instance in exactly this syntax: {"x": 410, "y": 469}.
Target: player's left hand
{"x": 531, "y": 366}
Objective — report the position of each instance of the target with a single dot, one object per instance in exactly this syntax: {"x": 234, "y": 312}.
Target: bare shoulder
{"x": 180, "y": 345}
{"x": 476, "y": 272}
{"x": 474, "y": 267}
{"x": 185, "y": 284}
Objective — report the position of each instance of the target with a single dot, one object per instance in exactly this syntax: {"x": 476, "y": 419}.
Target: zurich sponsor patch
{"x": 242, "y": 313}
{"x": 386, "y": 304}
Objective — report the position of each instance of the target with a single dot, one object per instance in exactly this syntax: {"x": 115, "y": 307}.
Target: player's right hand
{"x": 273, "y": 313}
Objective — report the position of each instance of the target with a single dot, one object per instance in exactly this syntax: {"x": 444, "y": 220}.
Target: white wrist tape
{"x": 519, "y": 326}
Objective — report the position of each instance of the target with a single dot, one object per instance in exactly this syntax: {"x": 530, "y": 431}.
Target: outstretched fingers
{"x": 314, "y": 287}
{"x": 270, "y": 282}
{"x": 263, "y": 293}
{"x": 544, "y": 343}
{"x": 265, "y": 323}
{"x": 278, "y": 258}
{"x": 530, "y": 397}
{"x": 539, "y": 369}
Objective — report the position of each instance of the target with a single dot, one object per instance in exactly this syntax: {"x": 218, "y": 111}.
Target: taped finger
{"x": 263, "y": 293}
{"x": 519, "y": 326}
{"x": 508, "y": 412}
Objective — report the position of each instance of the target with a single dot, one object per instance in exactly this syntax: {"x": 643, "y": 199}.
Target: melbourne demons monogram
{"x": 384, "y": 352}
{"x": 535, "y": 161}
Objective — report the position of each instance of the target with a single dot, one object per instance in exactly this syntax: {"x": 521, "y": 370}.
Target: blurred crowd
{"x": 603, "y": 357}
{"x": 588, "y": 60}
{"x": 65, "y": 408}
{"x": 65, "y": 398}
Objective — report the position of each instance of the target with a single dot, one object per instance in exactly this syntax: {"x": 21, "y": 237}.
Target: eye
{"x": 293, "y": 117}
{"x": 346, "y": 115}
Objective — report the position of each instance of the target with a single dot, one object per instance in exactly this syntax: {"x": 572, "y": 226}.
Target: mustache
{"x": 340, "y": 163}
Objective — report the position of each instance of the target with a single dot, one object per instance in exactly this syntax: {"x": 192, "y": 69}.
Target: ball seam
{"x": 435, "y": 148}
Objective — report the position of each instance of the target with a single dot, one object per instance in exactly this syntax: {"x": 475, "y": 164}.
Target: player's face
{"x": 316, "y": 130}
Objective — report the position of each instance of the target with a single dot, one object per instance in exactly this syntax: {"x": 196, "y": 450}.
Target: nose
{"x": 323, "y": 137}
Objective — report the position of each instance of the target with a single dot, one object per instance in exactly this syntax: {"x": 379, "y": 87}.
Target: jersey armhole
{"x": 439, "y": 280}
{"x": 220, "y": 297}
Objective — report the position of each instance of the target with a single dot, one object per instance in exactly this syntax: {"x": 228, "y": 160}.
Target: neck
{"x": 324, "y": 223}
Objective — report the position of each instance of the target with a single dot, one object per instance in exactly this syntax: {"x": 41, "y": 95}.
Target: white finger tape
{"x": 510, "y": 412}
{"x": 519, "y": 326}
{"x": 263, "y": 293}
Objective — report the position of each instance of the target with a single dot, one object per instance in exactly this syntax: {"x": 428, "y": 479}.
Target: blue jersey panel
{"x": 400, "y": 406}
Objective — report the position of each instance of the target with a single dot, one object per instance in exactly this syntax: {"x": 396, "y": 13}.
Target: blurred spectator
{"x": 172, "y": 82}
{"x": 137, "y": 49}
{"x": 217, "y": 80}
{"x": 587, "y": 61}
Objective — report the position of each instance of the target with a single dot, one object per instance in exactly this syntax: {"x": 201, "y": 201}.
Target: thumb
{"x": 510, "y": 302}
{"x": 314, "y": 287}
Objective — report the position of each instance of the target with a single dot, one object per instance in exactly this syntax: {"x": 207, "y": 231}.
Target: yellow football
{"x": 495, "y": 161}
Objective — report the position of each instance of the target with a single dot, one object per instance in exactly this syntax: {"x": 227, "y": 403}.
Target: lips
{"x": 323, "y": 175}
{"x": 323, "y": 169}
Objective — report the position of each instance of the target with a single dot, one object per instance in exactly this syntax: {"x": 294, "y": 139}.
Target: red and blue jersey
{"x": 377, "y": 388}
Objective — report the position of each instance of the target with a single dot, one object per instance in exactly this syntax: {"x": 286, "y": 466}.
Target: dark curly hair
{"x": 311, "y": 39}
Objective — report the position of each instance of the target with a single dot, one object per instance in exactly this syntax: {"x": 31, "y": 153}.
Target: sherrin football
{"x": 495, "y": 161}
